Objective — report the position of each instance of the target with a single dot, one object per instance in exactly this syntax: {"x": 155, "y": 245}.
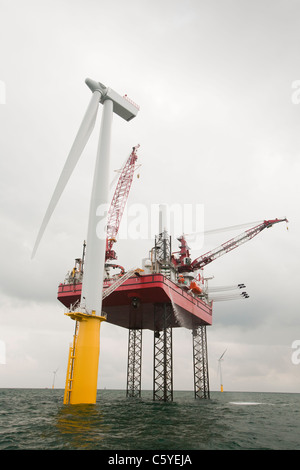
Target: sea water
{"x": 37, "y": 419}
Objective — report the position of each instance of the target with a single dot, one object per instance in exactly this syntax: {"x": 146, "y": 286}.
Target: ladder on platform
{"x": 119, "y": 282}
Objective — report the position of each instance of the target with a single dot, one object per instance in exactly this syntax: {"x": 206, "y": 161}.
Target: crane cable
{"x": 223, "y": 229}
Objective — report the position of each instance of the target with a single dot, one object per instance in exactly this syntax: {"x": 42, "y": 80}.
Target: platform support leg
{"x": 200, "y": 362}
{"x": 163, "y": 360}
{"x": 134, "y": 365}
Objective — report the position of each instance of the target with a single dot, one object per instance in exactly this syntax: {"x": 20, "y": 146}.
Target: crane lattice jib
{"x": 118, "y": 202}
{"x": 231, "y": 244}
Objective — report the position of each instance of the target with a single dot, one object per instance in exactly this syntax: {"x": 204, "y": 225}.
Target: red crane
{"x": 184, "y": 263}
{"x": 118, "y": 203}
{"x": 114, "y": 217}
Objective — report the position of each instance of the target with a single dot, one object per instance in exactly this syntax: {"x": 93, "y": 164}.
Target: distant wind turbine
{"x": 221, "y": 359}
{"x": 54, "y": 374}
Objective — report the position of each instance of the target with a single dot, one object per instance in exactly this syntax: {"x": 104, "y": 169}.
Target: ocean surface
{"x": 37, "y": 419}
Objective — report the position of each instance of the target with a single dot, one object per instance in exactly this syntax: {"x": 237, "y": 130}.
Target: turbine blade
{"x": 77, "y": 148}
{"x": 222, "y": 355}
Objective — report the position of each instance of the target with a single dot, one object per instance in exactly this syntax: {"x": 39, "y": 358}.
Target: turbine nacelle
{"x": 122, "y": 106}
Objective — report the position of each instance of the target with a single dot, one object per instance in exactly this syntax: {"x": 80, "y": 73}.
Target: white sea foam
{"x": 245, "y": 403}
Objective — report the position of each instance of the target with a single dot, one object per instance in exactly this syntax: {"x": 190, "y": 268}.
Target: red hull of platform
{"x": 149, "y": 290}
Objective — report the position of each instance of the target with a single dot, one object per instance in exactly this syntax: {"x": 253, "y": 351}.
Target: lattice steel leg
{"x": 200, "y": 359}
{"x": 134, "y": 365}
{"x": 163, "y": 361}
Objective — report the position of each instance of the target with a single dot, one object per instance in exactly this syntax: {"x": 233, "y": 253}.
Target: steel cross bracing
{"x": 200, "y": 361}
{"x": 163, "y": 248}
{"x": 163, "y": 361}
{"x": 134, "y": 366}
{"x": 162, "y": 253}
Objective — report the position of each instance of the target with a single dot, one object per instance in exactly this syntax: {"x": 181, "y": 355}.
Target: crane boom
{"x": 231, "y": 244}
{"x": 118, "y": 203}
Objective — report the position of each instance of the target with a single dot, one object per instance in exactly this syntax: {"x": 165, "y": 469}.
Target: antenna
{"x": 220, "y": 368}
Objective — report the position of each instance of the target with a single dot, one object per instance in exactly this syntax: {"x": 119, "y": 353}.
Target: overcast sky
{"x": 219, "y": 121}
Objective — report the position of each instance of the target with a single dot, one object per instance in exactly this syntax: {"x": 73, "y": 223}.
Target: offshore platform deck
{"x": 132, "y": 304}
{"x": 137, "y": 302}
{"x": 169, "y": 291}
{"x": 156, "y": 297}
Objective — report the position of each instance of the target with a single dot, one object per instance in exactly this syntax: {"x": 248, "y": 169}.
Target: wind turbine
{"x": 81, "y": 383}
{"x": 220, "y": 368}
{"x": 54, "y": 374}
